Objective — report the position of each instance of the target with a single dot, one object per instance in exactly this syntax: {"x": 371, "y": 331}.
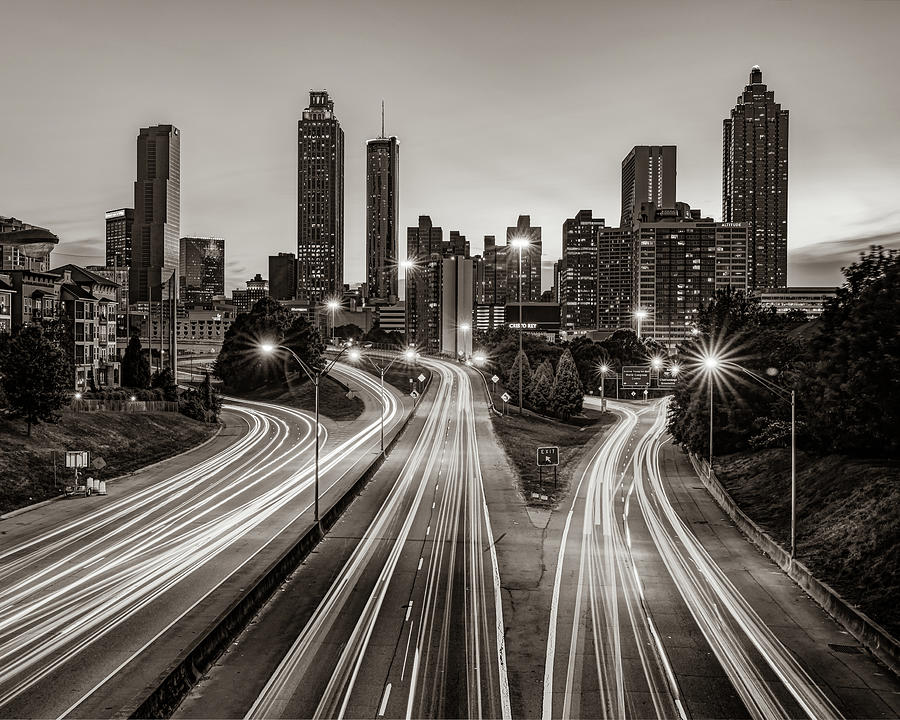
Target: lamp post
{"x": 520, "y": 243}
{"x": 314, "y": 375}
{"x": 409, "y": 355}
{"x": 639, "y": 315}
{"x": 465, "y": 327}
{"x": 604, "y": 368}
{"x": 712, "y": 364}
{"x": 333, "y": 305}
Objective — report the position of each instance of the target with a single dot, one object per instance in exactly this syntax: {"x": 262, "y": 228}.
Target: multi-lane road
{"x": 410, "y": 623}
{"x": 93, "y": 604}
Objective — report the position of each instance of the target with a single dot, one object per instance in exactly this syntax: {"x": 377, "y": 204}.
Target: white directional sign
{"x": 548, "y": 456}
{"x": 505, "y": 397}
{"x": 77, "y": 458}
{"x": 421, "y": 377}
{"x": 414, "y": 394}
{"x": 495, "y": 379}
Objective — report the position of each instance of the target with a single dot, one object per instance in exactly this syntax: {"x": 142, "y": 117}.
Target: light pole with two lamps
{"x": 409, "y": 355}
{"x": 314, "y": 375}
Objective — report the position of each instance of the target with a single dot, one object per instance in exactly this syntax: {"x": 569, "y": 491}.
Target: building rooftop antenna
{"x": 382, "y": 118}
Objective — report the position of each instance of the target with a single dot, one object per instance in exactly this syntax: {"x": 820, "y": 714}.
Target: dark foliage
{"x": 135, "y": 365}
{"x": 568, "y": 393}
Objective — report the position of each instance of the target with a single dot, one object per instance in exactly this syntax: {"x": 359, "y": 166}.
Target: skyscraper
{"x": 615, "y": 265}
{"x": 579, "y": 280}
{"x": 422, "y": 241}
{"x": 494, "y": 260}
{"x": 320, "y": 201}
{"x": 382, "y": 216}
{"x": 648, "y": 176}
{"x": 531, "y": 262}
{"x": 201, "y": 268}
{"x": 282, "y": 276}
{"x": 119, "y": 234}
{"x": 157, "y": 212}
{"x": 755, "y": 179}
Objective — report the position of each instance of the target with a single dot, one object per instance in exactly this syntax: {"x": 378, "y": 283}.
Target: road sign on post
{"x": 635, "y": 376}
{"x": 547, "y": 456}
{"x": 78, "y": 458}
{"x": 666, "y": 379}
{"x": 421, "y": 377}
{"x": 505, "y": 397}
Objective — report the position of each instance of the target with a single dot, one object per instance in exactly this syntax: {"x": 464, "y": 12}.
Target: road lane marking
{"x": 384, "y": 700}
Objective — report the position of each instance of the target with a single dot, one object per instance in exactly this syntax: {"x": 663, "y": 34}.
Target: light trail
{"x": 65, "y": 588}
{"x": 435, "y": 520}
{"x": 608, "y": 601}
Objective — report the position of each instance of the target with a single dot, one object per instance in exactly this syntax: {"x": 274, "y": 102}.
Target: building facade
{"x": 755, "y": 179}
{"x": 422, "y": 241}
{"x": 493, "y": 274}
{"x": 201, "y": 268}
{"x": 320, "y": 201}
{"x": 157, "y": 212}
{"x": 579, "y": 280}
{"x": 615, "y": 268}
{"x": 257, "y": 288}
{"x": 457, "y": 304}
{"x": 531, "y": 261}
{"x": 119, "y": 237}
{"x": 809, "y": 300}
{"x": 24, "y": 246}
{"x": 283, "y": 276}
{"x": 382, "y": 218}
{"x": 648, "y": 176}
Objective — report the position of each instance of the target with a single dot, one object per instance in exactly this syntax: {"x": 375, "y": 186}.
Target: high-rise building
{"x": 244, "y": 300}
{"x": 382, "y": 216}
{"x": 580, "y": 277}
{"x": 531, "y": 261}
{"x": 809, "y": 300}
{"x": 457, "y": 305}
{"x": 119, "y": 233}
{"x": 421, "y": 242}
{"x": 320, "y": 201}
{"x": 201, "y": 268}
{"x": 680, "y": 260}
{"x": 614, "y": 272}
{"x": 648, "y": 176}
{"x": 282, "y": 276}
{"x": 755, "y": 179}
{"x": 157, "y": 212}
{"x": 494, "y": 274}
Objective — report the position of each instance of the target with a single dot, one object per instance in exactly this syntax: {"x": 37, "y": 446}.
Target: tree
{"x": 135, "y": 365}
{"x": 540, "y": 391}
{"x": 242, "y": 366}
{"x": 350, "y": 331}
{"x": 850, "y": 387}
{"x": 520, "y": 365}
{"x": 568, "y": 393}
{"x": 212, "y": 400}
{"x": 164, "y": 380}
{"x": 36, "y": 375}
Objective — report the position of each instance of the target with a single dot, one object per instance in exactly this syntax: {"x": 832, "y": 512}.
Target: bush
{"x": 568, "y": 393}
{"x": 540, "y": 392}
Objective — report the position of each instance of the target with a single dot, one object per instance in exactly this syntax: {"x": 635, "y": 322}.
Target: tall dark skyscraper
{"x": 320, "y": 201}
{"x": 423, "y": 282}
{"x": 755, "y": 180}
{"x": 579, "y": 278}
{"x": 648, "y": 176}
{"x": 201, "y": 268}
{"x": 119, "y": 236}
{"x": 494, "y": 272}
{"x": 531, "y": 262}
{"x": 382, "y": 216}
{"x": 282, "y": 276}
{"x": 157, "y": 212}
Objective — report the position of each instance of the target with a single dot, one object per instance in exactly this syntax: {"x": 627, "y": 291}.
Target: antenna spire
{"x": 382, "y": 118}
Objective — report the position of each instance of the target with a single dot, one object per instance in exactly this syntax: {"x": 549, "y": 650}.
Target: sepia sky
{"x": 501, "y": 108}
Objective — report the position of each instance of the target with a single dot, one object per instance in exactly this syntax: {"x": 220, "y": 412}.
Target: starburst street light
{"x": 314, "y": 374}
{"x": 656, "y": 362}
{"x": 520, "y": 243}
{"x": 604, "y": 368}
{"x": 333, "y": 305}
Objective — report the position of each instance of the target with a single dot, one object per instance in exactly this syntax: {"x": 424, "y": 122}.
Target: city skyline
{"x": 473, "y": 170}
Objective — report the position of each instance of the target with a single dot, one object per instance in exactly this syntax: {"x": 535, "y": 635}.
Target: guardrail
{"x": 870, "y": 634}
{"x": 127, "y": 406}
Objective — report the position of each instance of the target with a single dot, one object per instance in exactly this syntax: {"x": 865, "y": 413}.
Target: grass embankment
{"x": 521, "y": 435}
{"x": 848, "y": 520}
{"x": 333, "y": 400}
{"x": 126, "y": 441}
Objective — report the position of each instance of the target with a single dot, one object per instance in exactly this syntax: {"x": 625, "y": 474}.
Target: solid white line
{"x": 420, "y": 564}
{"x": 408, "y": 610}
{"x": 384, "y": 700}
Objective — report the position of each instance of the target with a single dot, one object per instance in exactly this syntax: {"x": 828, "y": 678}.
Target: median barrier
{"x": 870, "y": 634}
{"x": 160, "y": 699}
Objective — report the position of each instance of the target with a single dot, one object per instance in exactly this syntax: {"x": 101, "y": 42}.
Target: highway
{"x": 644, "y": 622}
{"x": 97, "y": 594}
{"x": 409, "y": 622}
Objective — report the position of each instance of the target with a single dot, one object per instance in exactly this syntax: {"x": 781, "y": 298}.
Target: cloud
{"x": 821, "y": 263}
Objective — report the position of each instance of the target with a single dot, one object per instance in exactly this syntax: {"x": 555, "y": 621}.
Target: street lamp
{"x": 409, "y": 355}
{"x": 314, "y": 375}
{"x": 333, "y": 306}
{"x": 520, "y": 243}
{"x": 465, "y": 327}
{"x": 640, "y": 315}
{"x": 604, "y": 368}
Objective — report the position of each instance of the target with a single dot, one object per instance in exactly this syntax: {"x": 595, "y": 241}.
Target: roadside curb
{"x": 163, "y": 696}
{"x": 55, "y": 498}
{"x": 870, "y": 634}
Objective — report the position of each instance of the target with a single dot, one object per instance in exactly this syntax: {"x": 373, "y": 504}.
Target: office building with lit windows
{"x": 119, "y": 234}
{"x": 202, "y": 268}
{"x": 382, "y": 218}
{"x": 579, "y": 276}
{"x": 320, "y": 202}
